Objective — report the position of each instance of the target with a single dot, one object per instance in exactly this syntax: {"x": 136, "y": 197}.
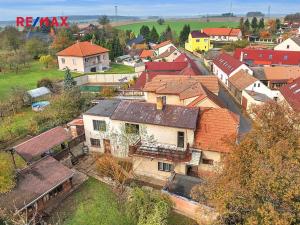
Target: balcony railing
{"x": 166, "y": 153}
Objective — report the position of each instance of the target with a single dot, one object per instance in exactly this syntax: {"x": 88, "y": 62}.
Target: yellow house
{"x": 198, "y": 41}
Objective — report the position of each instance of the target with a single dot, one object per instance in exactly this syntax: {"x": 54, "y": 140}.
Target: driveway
{"x": 245, "y": 122}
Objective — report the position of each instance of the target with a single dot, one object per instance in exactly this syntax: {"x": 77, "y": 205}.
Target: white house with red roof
{"x": 84, "y": 57}
{"x": 225, "y": 65}
{"x": 162, "y": 47}
{"x": 223, "y": 34}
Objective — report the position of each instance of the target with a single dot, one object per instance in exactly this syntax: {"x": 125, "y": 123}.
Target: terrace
{"x": 156, "y": 150}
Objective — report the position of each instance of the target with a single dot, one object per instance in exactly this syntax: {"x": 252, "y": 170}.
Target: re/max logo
{"x": 28, "y": 21}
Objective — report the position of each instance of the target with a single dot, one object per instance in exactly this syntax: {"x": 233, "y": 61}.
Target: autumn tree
{"x": 45, "y": 60}
{"x": 259, "y": 182}
{"x": 62, "y": 40}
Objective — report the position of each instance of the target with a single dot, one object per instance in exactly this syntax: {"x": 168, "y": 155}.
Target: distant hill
{"x": 256, "y": 14}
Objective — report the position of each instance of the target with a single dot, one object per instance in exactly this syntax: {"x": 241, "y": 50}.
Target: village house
{"x": 223, "y": 34}
{"x": 167, "y": 56}
{"x": 146, "y": 55}
{"x": 224, "y": 66}
{"x": 290, "y": 94}
{"x": 137, "y": 43}
{"x": 198, "y": 41}
{"x": 260, "y": 57}
{"x": 157, "y": 137}
{"x": 276, "y": 77}
{"x": 199, "y": 91}
{"x": 162, "y": 47}
{"x": 38, "y": 185}
{"x": 216, "y": 129}
{"x": 249, "y": 91}
{"x": 84, "y": 57}
{"x": 290, "y": 44}
{"x": 182, "y": 65}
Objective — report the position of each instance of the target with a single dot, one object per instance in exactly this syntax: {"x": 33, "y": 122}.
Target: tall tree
{"x": 261, "y": 24}
{"x": 168, "y": 33}
{"x": 145, "y": 31}
{"x": 160, "y": 21}
{"x": 184, "y": 34}
{"x": 154, "y": 35}
{"x": 259, "y": 182}
{"x": 254, "y": 24}
{"x": 241, "y": 25}
{"x": 278, "y": 24}
{"x": 103, "y": 20}
{"x": 247, "y": 25}
{"x": 69, "y": 82}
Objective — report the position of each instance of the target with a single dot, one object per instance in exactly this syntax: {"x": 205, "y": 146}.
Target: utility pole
{"x": 269, "y": 11}
{"x": 116, "y": 12}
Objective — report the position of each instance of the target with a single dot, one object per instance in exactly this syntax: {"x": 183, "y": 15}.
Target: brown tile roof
{"x": 282, "y": 72}
{"x": 166, "y": 53}
{"x": 146, "y": 53}
{"x": 241, "y": 80}
{"x": 42, "y": 143}
{"x": 178, "y": 83}
{"x": 146, "y": 113}
{"x": 291, "y": 93}
{"x": 34, "y": 181}
{"x": 214, "y": 128}
{"x": 198, "y": 34}
{"x": 162, "y": 44}
{"x": 222, "y": 31}
{"x": 82, "y": 49}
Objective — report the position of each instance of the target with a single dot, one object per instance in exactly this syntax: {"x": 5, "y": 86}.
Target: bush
{"x": 46, "y": 82}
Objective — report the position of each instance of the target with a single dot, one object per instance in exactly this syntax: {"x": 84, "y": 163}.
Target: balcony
{"x": 159, "y": 151}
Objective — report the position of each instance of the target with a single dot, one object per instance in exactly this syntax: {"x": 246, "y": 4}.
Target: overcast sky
{"x": 9, "y": 9}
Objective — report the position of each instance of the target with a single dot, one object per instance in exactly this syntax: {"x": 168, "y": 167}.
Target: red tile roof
{"x": 146, "y": 53}
{"x": 162, "y": 44}
{"x": 291, "y": 93}
{"x": 215, "y": 127}
{"x": 198, "y": 34}
{"x": 241, "y": 80}
{"x": 82, "y": 49}
{"x": 42, "y": 143}
{"x": 165, "y": 66}
{"x": 267, "y": 57}
{"x": 227, "y": 63}
{"x": 222, "y": 31}
{"x": 192, "y": 68}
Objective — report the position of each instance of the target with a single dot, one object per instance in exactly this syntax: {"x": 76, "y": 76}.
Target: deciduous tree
{"x": 45, "y": 60}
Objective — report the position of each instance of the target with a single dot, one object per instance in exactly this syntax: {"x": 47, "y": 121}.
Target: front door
{"x": 107, "y": 147}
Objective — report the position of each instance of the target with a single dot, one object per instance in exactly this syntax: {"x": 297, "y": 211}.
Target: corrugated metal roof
{"x": 146, "y": 113}
{"x": 104, "y": 108}
{"x": 38, "y": 92}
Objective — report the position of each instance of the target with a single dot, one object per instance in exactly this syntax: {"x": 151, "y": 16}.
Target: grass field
{"x": 95, "y": 204}
{"x": 28, "y": 78}
{"x": 176, "y": 25}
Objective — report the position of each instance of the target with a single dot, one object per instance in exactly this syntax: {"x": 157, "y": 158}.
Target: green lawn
{"x": 95, "y": 204}
{"x": 176, "y": 25}
{"x": 26, "y": 78}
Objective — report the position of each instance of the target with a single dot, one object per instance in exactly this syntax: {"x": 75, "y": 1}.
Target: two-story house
{"x": 84, "y": 57}
{"x": 198, "y": 41}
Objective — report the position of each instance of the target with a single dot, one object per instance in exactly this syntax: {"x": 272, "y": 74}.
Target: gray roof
{"x": 170, "y": 116}
{"x": 259, "y": 73}
{"x": 296, "y": 40}
{"x": 182, "y": 185}
{"x": 258, "y": 96}
{"x": 104, "y": 108}
{"x": 38, "y": 92}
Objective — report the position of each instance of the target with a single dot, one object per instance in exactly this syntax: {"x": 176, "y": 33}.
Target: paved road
{"x": 199, "y": 63}
{"x": 245, "y": 122}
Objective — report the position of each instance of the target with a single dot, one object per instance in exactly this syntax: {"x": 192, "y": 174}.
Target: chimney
{"x": 242, "y": 56}
{"x": 92, "y": 41}
{"x": 160, "y": 102}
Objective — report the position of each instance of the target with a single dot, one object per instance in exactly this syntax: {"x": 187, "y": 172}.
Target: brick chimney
{"x": 160, "y": 102}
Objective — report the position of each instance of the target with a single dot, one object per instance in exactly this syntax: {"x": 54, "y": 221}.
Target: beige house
{"x": 200, "y": 91}
{"x": 168, "y": 56}
{"x": 84, "y": 57}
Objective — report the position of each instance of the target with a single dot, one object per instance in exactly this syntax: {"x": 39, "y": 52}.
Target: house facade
{"x": 223, "y": 34}
{"x": 162, "y": 47}
{"x": 224, "y": 66}
{"x": 290, "y": 44}
{"x": 167, "y": 56}
{"x": 198, "y": 41}
{"x": 84, "y": 57}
